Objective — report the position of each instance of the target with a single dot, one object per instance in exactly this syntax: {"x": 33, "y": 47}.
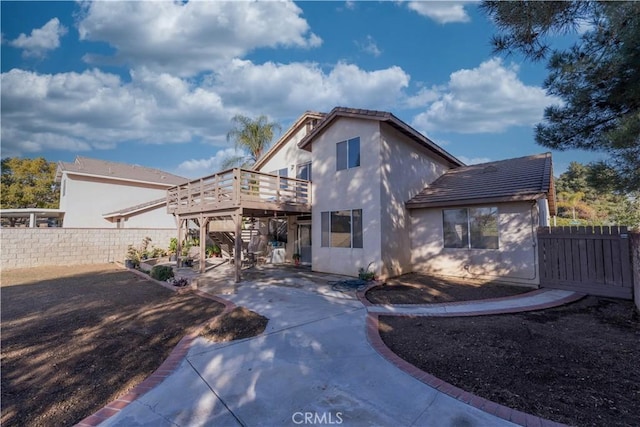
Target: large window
{"x": 470, "y": 228}
{"x": 303, "y": 171}
{"x": 282, "y": 173}
{"x": 348, "y": 154}
{"x": 342, "y": 229}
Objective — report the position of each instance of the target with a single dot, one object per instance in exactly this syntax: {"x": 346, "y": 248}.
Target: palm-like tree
{"x": 253, "y": 136}
{"x": 571, "y": 200}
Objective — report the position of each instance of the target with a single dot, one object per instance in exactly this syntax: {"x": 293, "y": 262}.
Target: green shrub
{"x": 162, "y": 272}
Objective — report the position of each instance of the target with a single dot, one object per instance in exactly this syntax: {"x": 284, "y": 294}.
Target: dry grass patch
{"x": 75, "y": 338}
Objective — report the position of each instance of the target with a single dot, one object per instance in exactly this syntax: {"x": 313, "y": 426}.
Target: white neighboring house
{"x": 102, "y": 194}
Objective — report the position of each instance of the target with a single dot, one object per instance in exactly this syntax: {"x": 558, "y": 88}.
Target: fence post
{"x": 635, "y": 260}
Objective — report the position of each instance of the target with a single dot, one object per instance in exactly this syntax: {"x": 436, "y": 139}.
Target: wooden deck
{"x": 251, "y": 192}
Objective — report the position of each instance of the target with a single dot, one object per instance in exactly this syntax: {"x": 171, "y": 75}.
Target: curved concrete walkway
{"x": 534, "y": 300}
{"x": 318, "y": 362}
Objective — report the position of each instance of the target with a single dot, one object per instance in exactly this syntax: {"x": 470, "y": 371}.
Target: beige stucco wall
{"x": 406, "y": 170}
{"x": 31, "y": 247}
{"x": 288, "y": 156}
{"x": 86, "y": 199}
{"x": 515, "y": 261}
{"x": 356, "y": 188}
{"x": 155, "y": 218}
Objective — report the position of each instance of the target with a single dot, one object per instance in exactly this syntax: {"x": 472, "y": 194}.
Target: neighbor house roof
{"x": 119, "y": 171}
{"x": 136, "y": 208}
{"x": 523, "y": 178}
{"x": 381, "y": 116}
{"x": 306, "y": 117}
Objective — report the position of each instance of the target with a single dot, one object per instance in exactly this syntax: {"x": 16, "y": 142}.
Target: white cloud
{"x": 187, "y": 38}
{"x": 422, "y": 98}
{"x": 474, "y": 160}
{"x": 194, "y": 168}
{"x": 443, "y": 12}
{"x": 82, "y": 111}
{"x": 486, "y": 99}
{"x": 369, "y": 46}
{"x": 288, "y": 89}
{"x": 93, "y": 109}
{"x": 41, "y": 39}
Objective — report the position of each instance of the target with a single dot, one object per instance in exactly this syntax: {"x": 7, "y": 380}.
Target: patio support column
{"x": 237, "y": 251}
{"x": 179, "y": 247}
{"x": 204, "y": 225}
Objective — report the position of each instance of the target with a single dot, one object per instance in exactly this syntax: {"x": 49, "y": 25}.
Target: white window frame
{"x": 469, "y": 218}
{"x": 326, "y": 229}
{"x": 348, "y": 159}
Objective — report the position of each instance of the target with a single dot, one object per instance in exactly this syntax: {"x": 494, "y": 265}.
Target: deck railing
{"x": 233, "y": 187}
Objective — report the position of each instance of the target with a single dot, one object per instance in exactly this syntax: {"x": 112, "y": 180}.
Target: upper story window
{"x": 348, "y": 154}
{"x": 303, "y": 171}
{"x": 470, "y": 228}
{"x": 283, "y": 173}
{"x": 280, "y": 172}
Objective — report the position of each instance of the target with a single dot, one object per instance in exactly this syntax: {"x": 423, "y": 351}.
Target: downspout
{"x": 543, "y": 212}
{"x": 535, "y": 242}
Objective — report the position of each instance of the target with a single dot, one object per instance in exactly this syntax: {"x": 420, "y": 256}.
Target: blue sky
{"x": 156, "y": 83}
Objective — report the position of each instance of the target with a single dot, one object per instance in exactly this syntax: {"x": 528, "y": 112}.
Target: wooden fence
{"x": 590, "y": 260}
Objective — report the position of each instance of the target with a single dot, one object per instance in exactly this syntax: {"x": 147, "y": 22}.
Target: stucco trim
{"x": 115, "y": 178}
{"x": 137, "y": 208}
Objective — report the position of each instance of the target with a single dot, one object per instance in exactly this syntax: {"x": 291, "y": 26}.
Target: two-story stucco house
{"x": 383, "y": 195}
{"x": 101, "y": 194}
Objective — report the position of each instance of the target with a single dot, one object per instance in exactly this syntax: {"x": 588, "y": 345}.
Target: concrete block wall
{"x": 33, "y": 247}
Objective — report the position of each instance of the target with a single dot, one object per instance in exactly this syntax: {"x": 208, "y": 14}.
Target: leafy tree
{"x": 583, "y": 199}
{"x": 252, "y": 136}
{"x": 28, "y": 183}
{"x": 572, "y": 200}
{"x": 598, "y": 78}
{"x": 575, "y": 179}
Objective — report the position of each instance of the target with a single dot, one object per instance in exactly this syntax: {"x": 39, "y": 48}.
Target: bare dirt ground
{"x": 416, "y": 288}
{"x": 578, "y": 364}
{"x": 75, "y": 338}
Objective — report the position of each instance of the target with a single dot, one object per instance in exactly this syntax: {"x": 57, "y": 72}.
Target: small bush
{"x": 179, "y": 282}
{"x": 162, "y": 272}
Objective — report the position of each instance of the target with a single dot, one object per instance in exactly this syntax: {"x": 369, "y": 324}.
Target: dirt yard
{"x": 577, "y": 364}
{"x": 415, "y": 288}
{"x": 75, "y": 338}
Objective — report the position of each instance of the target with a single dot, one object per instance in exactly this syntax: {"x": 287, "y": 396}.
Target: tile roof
{"x": 123, "y": 171}
{"x": 523, "y": 178}
{"x": 382, "y": 116}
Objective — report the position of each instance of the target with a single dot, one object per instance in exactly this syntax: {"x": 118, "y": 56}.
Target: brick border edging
{"x": 485, "y": 405}
{"x": 363, "y": 299}
{"x": 167, "y": 367}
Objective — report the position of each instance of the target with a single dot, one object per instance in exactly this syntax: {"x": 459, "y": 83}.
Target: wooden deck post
{"x": 179, "y": 247}
{"x": 204, "y": 225}
{"x": 237, "y": 251}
